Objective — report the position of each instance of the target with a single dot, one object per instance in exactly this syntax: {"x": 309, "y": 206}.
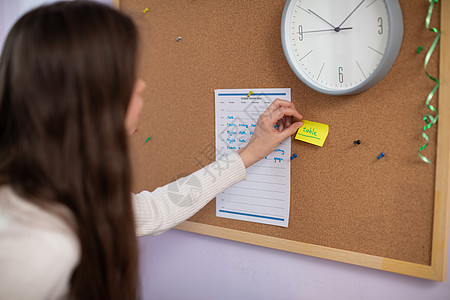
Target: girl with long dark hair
{"x": 69, "y": 98}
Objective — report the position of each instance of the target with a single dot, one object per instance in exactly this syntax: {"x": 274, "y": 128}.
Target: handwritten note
{"x": 312, "y": 132}
{"x": 265, "y": 196}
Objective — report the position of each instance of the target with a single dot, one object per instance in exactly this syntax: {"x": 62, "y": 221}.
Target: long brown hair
{"x": 67, "y": 72}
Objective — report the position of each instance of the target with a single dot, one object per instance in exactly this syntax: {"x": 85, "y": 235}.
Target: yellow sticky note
{"x": 312, "y": 132}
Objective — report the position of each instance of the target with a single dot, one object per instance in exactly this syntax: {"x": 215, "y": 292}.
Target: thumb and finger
{"x": 289, "y": 128}
{"x": 277, "y": 103}
{"x": 282, "y": 112}
{"x": 288, "y": 131}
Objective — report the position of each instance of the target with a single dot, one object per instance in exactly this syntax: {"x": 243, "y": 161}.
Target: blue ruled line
{"x": 250, "y": 215}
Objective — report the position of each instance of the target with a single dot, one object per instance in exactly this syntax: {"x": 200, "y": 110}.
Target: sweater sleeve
{"x": 158, "y": 211}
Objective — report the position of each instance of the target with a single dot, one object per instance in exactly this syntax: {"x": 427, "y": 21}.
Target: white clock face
{"x": 337, "y": 45}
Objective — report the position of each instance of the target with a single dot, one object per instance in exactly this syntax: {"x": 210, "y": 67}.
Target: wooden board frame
{"x": 437, "y": 270}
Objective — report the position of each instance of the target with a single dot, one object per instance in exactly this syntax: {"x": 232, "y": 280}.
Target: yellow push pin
{"x": 249, "y": 94}
{"x": 145, "y": 10}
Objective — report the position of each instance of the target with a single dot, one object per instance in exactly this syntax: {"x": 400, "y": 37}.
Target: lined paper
{"x": 265, "y": 196}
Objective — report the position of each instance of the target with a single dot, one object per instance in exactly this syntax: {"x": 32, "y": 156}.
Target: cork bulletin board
{"x": 390, "y": 214}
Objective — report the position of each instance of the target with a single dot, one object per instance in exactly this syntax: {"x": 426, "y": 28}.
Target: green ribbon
{"x": 429, "y": 119}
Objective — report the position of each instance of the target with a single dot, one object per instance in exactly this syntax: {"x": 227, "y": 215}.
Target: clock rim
{"x": 393, "y": 46}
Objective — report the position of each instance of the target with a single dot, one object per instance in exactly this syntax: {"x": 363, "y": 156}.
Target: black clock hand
{"x": 322, "y": 30}
{"x": 321, "y": 18}
{"x": 351, "y": 13}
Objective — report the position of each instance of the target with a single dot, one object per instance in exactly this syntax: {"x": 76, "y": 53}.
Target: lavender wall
{"x": 181, "y": 265}
{"x": 11, "y": 10}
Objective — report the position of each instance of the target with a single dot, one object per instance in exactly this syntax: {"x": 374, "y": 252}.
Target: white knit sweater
{"x": 39, "y": 251}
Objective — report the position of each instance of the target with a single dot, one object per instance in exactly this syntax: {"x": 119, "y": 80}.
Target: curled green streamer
{"x": 429, "y": 119}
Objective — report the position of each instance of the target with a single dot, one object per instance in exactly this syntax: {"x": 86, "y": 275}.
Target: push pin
{"x": 380, "y": 156}
{"x": 179, "y": 39}
{"x": 419, "y": 49}
{"x": 148, "y": 139}
{"x": 249, "y": 94}
{"x": 293, "y": 156}
{"x": 145, "y": 10}
{"x": 357, "y": 142}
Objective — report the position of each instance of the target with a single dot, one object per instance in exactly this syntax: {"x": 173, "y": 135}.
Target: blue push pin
{"x": 293, "y": 156}
{"x": 380, "y": 156}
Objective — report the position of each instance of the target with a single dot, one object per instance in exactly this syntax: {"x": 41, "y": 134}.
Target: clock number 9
{"x": 300, "y": 32}
{"x": 341, "y": 75}
{"x": 380, "y": 25}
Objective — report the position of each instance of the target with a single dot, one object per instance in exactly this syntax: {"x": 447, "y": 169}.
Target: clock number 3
{"x": 340, "y": 74}
{"x": 300, "y": 33}
{"x": 380, "y": 25}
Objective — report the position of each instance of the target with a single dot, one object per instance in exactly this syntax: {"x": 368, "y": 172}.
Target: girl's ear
{"x": 135, "y": 107}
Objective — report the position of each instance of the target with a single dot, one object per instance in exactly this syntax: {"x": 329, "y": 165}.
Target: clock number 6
{"x": 380, "y": 25}
{"x": 341, "y": 75}
{"x": 300, "y": 32}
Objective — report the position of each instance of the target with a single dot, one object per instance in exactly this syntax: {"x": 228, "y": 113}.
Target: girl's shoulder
{"x": 38, "y": 249}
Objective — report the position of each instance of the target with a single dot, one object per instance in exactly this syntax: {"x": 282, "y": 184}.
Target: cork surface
{"x": 341, "y": 195}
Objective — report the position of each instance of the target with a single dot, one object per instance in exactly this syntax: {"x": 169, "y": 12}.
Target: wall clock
{"x": 341, "y": 47}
